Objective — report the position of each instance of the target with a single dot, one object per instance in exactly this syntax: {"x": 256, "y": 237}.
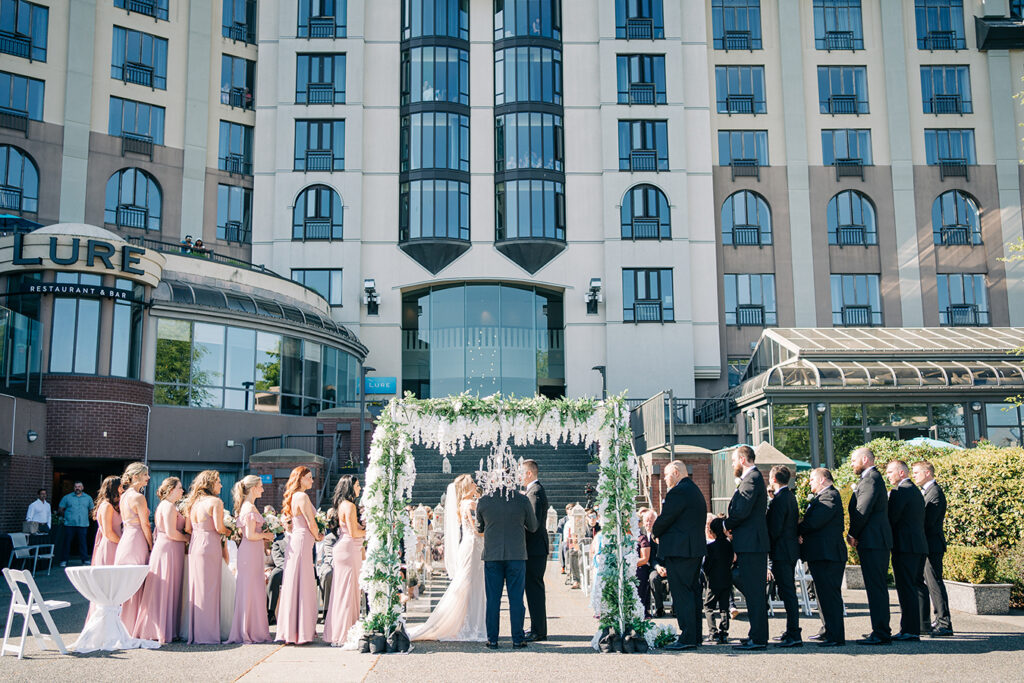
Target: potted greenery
{"x": 970, "y": 578}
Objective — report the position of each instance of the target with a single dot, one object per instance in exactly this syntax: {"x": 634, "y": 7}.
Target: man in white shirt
{"x": 37, "y": 520}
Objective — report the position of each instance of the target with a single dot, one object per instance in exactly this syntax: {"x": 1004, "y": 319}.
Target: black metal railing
{"x": 316, "y": 229}
{"x": 857, "y": 316}
{"x": 239, "y": 97}
{"x": 322, "y": 27}
{"x": 749, "y": 315}
{"x": 14, "y": 119}
{"x": 955, "y": 234}
{"x": 737, "y": 40}
{"x": 649, "y": 311}
{"x": 140, "y": 74}
{"x": 746, "y": 235}
{"x": 839, "y": 40}
{"x": 320, "y": 93}
{"x": 13, "y": 44}
{"x": 943, "y": 40}
{"x": 739, "y": 104}
{"x": 320, "y": 444}
{"x": 963, "y": 315}
{"x": 137, "y": 144}
{"x": 234, "y": 231}
{"x": 132, "y": 217}
{"x": 237, "y": 164}
{"x": 240, "y": 32}
{"x": 849, "y": 168}
{"x": 842, "y": 104}
{"x": 952, "y": 168}
{"x": 208, "y": 254}
{"x": 947, "y": 104}
{"x": 646, "y": 229}
{"x": 851, "y": 235}
{"x": 641, "y": 93}
{"x": 643, "y": 160}
{"x": 147, "y": 7}
{"x": 640, "y": 28}
{"x": 319, "y": 160}
{"x": 745, "y": 168}
{"x": 691, "y": 410}
{"x": 10, "y": 198}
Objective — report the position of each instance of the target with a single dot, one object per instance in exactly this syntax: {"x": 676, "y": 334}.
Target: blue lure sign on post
{"x": 381, "y": 385}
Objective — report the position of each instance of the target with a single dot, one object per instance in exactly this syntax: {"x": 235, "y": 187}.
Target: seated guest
{"x": 276, "y": 575}
{"x": 716, "y": 576}
{"x": 324, "y": 562}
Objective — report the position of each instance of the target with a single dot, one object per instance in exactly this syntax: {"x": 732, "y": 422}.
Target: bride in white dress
{"x": 460, "y": 612}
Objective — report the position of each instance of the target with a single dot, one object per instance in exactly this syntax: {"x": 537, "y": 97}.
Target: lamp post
{"x": 363, "y": 369}
{"x": 604, "y": 380}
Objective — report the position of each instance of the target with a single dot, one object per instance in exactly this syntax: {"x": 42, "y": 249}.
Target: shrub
{"x": 1010, "y": 569}
{"x": 969, "y": 565}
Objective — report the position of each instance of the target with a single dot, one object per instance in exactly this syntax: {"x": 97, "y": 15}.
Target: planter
{"x": 979, "y": 598}
{"x": 853, "y": 579}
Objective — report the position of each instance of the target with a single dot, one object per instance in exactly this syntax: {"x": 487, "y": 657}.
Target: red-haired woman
{"x": 298, "y": 610}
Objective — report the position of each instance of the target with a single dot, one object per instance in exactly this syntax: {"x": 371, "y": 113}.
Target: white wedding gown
{"x": 460, "y": 612}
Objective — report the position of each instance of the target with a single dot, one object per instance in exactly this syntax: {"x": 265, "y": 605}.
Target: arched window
{"x": 746, "y": 219}
{"x": 851, "y": 219}
{"x": 317, "y": 214}
{"x": 133, "y": 200}
{"x": 955, "y": 219}
{"x": 645, "y": 214}
{"x": 19, "y": 181}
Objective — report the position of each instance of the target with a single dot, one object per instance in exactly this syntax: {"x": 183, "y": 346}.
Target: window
{"x": 736, "y": 24}
{"x": 327, "y": 282}
{"x": 234, "y": 214}
{"x": 435, "y": 74}
{"x": 19, "y": 181}
{"x": 940, "y": 24}
{"x": 740, "y": 89}
{"x": 1017, "y": 8}
{"x": 433, "y": 209}
{"x": 1004, "y": 419}
{"x": 838, "y": 25}
{"x": 946, "y": 90}
{"x": 320, "y": 79}
{"x": 743, "y": 147}
{"x": 851, "y": 219}
{"x": 750, "y": 300}
{"x": 949, "y": 145}
{"x": 645, "y": 214}
{"x": 322, "y": 19}
{"x": 126, "y": 338}
{"x": 955, "y": 219}
{"x": 238, "y": 20}
{"x": 639, "y": 19}
{"x": 746, "y": 219}
{"x": 527, "y": 140}
{"x": 529, "y": 209}
{"x": 855, "y": 301}
{"x": 235, "y": 149}
{"x": 435, "y": 140}
{"x": 963, "y": 300}
{"x": 527, "y": 74}
{"x": 843, "y": 90}
{"x": 320, "y": 145}
{"x": 535, "y": 19}
{"x": 237, "y": 82}
{"x": 153, "y": 8}
{"x": 643, "y": 146}
{"x": 846, "y": 145}
{"x": 736, "y": 367}
{"x": 641, "y": 79}
{"x": 23, "y": 29}
{"x": 133, "y": 200}
{"x": 136, "y": 119}
{"x": 439, "y": 18}
{"x": 75, "y": 330}
{"x": 647, "y": 295}
{"x": 317, "y": 214}
{"x": 21, "y": 97}
{"x": 139, "y": 58}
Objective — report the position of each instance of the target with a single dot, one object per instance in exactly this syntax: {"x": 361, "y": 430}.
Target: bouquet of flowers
{"x": 272, "y": 524}
{"x": 234, "y": 532}
{"x": 321, "y": 522}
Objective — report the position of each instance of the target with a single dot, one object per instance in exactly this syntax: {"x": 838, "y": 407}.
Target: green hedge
{"x": 969, "y": 565}
{"x": 1010, "y": 569}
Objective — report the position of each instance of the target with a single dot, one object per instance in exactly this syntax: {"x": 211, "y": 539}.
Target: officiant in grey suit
{"x": 504, "y": 516}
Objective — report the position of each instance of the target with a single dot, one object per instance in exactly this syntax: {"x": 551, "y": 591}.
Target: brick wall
{"x": 700, "y": 471}
{"x": 21, "y": 477}
{"x": 280, "y": 469}
{"x": 346, "y": 423}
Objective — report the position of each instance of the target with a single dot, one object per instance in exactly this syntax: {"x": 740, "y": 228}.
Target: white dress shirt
{"x": 928, "y": 484}
{"x": 39, "y": 511}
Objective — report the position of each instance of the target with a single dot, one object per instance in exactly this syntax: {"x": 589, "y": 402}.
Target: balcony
{"x": 236, "y": 164}
{"x": 320, "y": 93}
{"x": 322, "y": 27}
{"x": 646, "y": 229}
{"x": 10, "y": 198}
{"x": 137, "y": 144}
{"x": 132, "y": 217}
{"x": 748, "y": 315}
{"x": 851, "y": 235}
{"x": 319, "y": 160}
{"x": 14, "y": 119}
{"x": 737, "y": 40}
{"x": 739, "y": 104}
{"x": 316, "y": 229}
{"x": 746, "y": 236}
{"x": 240, "y": 32}
{"x": 842, "y": 104}
{"x": 640, "y": 28}
{"x": 147, "y": 7}
{"x": 643, "y": 160}
{"x": 849, "y": 168}
{"x": 647, "y": 311}
{"x": 140, "y": 74}
{"x": 943, "y": 40}
{"x": 234, "y": 231}
{"x": 964, "y": 315}
{"x": 840, "y": 40}
{"x": 955, "y": 234}
{"x": 745, "y": 168}
{"x": 17, "y": 45}
{"x": 947, "y": 104}
{"x": 857, "y": 316}
{"x": 642, "y": 93}
{"x": 952, "y": 168}
{"x": 237, "y": 97}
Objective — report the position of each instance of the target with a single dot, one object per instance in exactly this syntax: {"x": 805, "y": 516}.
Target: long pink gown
{"x": 160, "y": 610}
{"x": 104, "y": 550}
{"x": 204, "y": 574}
{"x": 297, "y": 610}
{"x": 132, "y": 549}
{"x": 250, "y": 623}
{"x": 343, "y": 604}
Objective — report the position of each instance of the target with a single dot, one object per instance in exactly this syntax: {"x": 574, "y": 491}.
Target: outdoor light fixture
{"x": 31, "y": 436}
{"x": 821, "y": 408}
{"x": 976, "y": 406}
{"x": 593, "y": 296}
{"x": 370, "y": 297}
{"x": 604, "y": 378}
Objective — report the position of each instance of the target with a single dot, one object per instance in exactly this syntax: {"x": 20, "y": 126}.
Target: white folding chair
{"x": 28, "y": 609}
{"x": 25, "y": 552}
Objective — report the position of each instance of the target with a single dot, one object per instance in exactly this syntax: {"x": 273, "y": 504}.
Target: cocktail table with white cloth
{"x": 107, "y": 588}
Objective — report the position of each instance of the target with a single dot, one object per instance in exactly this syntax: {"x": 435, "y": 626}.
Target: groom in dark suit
{"x": 748, "y": 523}
{"x": 504, "y": 517}
{"x": 536, "y": 553}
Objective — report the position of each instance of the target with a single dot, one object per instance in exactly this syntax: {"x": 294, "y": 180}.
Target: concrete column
{"x": 77, "y": 109}
{"x": 1004, "y": 130}
{"x": 197, "y": 113}
{"x": 898, "y": 114}
{"x": 793, "y": 95}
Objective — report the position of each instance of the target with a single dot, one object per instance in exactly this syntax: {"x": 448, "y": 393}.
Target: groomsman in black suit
{"x": 822, "y": 547}
{"x": 783, "y": 516}
{"x": 679, "y": 530}
{"x": 934, "y": 519}
{"x": 746, "y": 519}
{"x": 536, "y": 553}
{"x": 871, "y": 536}
{"x": 909, "y": 547}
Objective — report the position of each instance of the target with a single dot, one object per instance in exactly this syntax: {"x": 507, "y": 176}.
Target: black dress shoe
{"x": 941, "y": 633}
{"x": 658, "y": 614}
{"x": 832, "y": 643}
{"x": 679, "y": 647}
{"x": 532, "y": 637}
{"x": 790, "y": 642}
{"x": 779, "y": 639}
{"x": 817, "y": 636}
{"x": 520, "y": 645}
{"x": 907, "y": 637}
{"x": 874, "y": 640}
{"x": 492, "y": 646}
{"x": 750, "y": 645}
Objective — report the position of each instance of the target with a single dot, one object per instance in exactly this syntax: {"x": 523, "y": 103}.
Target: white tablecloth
{"x": 107, "y": 588}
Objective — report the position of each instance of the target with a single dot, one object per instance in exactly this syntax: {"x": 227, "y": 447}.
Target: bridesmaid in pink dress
{"x": 160, "y": 612}
{"x": 108, "y": 522}
{"x": 343, "y": 603}
{"x": 250, "y": 623}
{"x": 298, "y": 610}
{"x": 206, "y": 514}
{"x": 137, "y": 538}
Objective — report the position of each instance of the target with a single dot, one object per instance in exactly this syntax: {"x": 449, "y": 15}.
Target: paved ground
{"x": 986, "y": 648}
